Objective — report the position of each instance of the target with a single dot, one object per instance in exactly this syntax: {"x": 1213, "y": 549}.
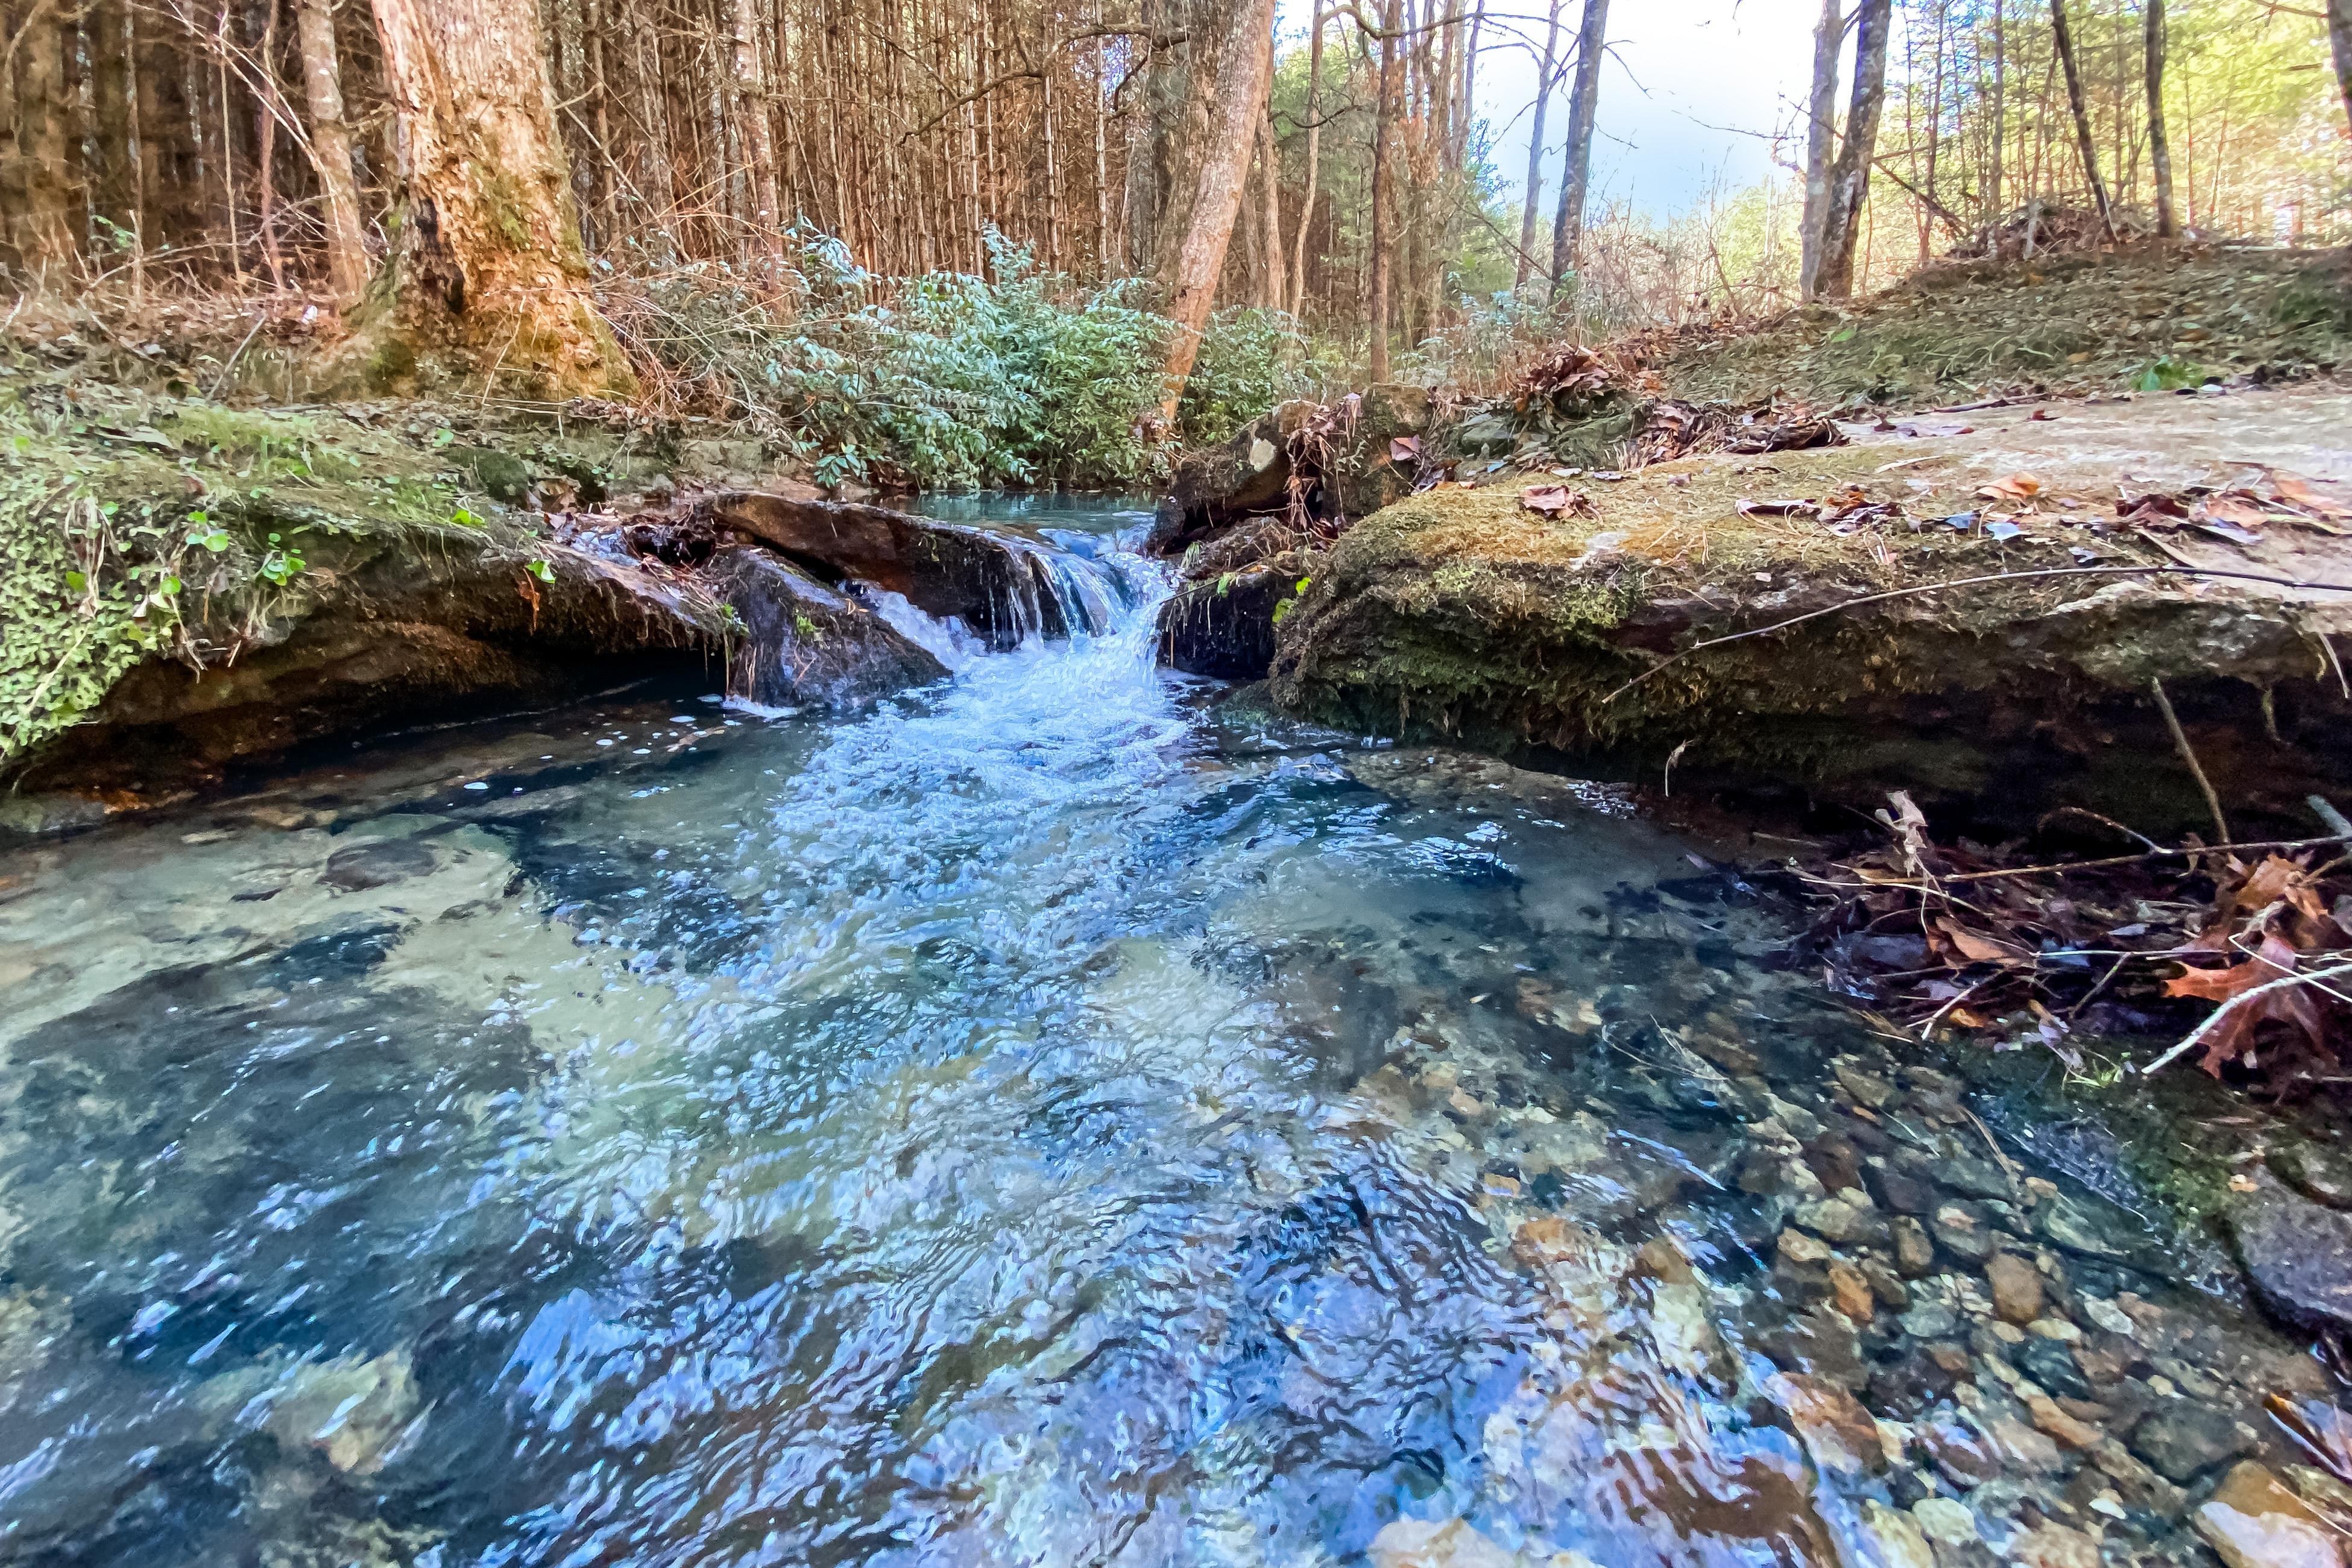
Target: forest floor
{"x": 2147, "y": 318}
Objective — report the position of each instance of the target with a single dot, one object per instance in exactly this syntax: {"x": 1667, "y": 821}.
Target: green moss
{"x": 137, "y": 526}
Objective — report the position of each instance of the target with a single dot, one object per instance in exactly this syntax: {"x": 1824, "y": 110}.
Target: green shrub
{"x": 1250, "y": 360}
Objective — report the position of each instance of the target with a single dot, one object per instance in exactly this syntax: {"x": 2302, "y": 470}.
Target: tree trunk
{"x": 489, "y": 265}
{"x": 40, "y": 226}
{"x": 1821, "y": 141}
{"x": 2339, "y": 37}
{"x": 1277, "y": 292}
{"x": 1583, "y": 110}
{"x": 2063, "y": 33}
{"x": 1315, "y": 163}
{"x": 1850, "y": 174}
{"x": 1244, "y": 62}
{"x": 656, "y": 185}
{"x": 1383, "y": 194}
{"x": 1535, "y": 151}
{"x": 331, "y": 148}
{"x": 757, "y": 133}
{"x": 2159, "y": 145}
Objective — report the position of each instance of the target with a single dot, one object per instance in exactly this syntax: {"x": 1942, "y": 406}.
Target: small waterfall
{"x": 1048, "y": 592}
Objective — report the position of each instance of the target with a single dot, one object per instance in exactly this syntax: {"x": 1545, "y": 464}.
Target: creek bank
{"x": 192, "y": 589}
{"x": 1464, "y": 611}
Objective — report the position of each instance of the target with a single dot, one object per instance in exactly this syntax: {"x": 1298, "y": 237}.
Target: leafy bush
{"x": 949, "y": 379}
{"x": 1250, "y": 360}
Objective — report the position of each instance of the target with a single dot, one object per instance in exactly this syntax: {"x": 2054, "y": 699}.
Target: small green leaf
{"x": 464, "y": 518}
{"x": 76, "y": 582}
{"x": 539, "y": 570}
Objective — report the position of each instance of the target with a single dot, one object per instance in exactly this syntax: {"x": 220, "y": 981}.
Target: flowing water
{"x": 1063, "y": 1116}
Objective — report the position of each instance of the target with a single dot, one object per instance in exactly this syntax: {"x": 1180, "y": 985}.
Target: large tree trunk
{"x": 1535, "y": 151}
{"x": 1244, "y": 60}
{"x": 489, "y": 267}
{"x": 38, "y": 222}
{"x": 331, "y": 148}
{"x": 2064, "y": 35}
{"x": 2339, "y": 37}
{"x": 1383, "y": 188}
{"x": 1583, "y": 111}
{"x": 1850, "y": 176}
{"x": 2159, "y": 145}
{"x": 1821, "y": 141}
{"x": 1314, "y": 164}
{"x": 756, "y": 132}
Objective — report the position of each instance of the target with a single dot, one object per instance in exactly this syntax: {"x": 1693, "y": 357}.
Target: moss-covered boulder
{"x": 1466, "y": 612}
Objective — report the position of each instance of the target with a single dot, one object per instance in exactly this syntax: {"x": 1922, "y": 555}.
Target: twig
{"x": 2147, "y": 855}
{"x": 1971, "y": 582}
{"x": 1927, "y": 1030}
{"x": 2325, "y": 809}
{"x": 2232, "y": 1005}
{"x": 2188, "y": 755}
{"x": 222, "y": 380}
{"x": 2008, "y": 1165}
{"x": 2093, "y": 994}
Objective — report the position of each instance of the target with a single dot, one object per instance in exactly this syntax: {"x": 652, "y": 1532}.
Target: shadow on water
{"x": 1057, "y": 1118}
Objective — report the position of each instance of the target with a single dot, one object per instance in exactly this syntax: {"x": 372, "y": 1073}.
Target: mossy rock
{"x": 1460, "y": 613}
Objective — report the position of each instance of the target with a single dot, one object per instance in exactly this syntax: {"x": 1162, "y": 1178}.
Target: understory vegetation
{"x": 949, "y": 379}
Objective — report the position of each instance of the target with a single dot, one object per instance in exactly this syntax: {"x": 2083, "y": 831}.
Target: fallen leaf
{"x": 2018, "y": 486}
{"x": 2289, "y": 1004}
{"x": 1405, "y": 448}
{"x": 1976, "y": 947}
{"x": 1558, "y": 500}
{"x": 2232, "y": 507}
{"x": 1777, "y": 508}
{"x": 2298, "y": 492}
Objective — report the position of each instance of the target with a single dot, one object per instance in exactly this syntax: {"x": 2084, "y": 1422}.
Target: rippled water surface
{"x": 1063, "y": 1116}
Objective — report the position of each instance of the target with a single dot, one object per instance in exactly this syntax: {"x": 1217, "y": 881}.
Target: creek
{"x": 1065, "y": 1115}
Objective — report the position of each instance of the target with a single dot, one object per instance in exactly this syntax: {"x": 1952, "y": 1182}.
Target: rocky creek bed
{"x": 1058, "y": 1114}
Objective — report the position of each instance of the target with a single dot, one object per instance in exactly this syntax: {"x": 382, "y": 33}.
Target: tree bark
{"x": 656, "y": 184}
{"x": 2339, "y": 38}
{"x": 756, "y": 132}
{"x": 1276, "y": 291}
{"x": 1850, "y": 174}
{"x": 1383, "y": 193}
{"x": 41, "y": 228}
{"x": 1583, "y": 111}
{"x": 2060, "y": 31}
{"x": 1535, "y": 151}
{"x": 489, "y": 267}
{"x": 1315, "y": 163}
{"x": 331, "y": 149}
{"x": 1821, "y": 141}
{"x": 1244, "y": 61}
{"x": 2159, "y": 145}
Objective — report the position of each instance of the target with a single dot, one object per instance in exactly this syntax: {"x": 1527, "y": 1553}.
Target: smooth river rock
{"x": 2298, "y": 1254}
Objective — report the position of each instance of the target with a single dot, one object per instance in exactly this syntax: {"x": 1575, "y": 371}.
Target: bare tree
{"x": 1243, "y": 68}
{"x": 2063, "y": 35}
{"x": 2159, "y": 146}
{"x": 1584, "y": 113}
{"x": 1821, "y": 140}
{"x": 1313, "y": 161}
{"x": 756, "y": 132}
{"x": 1383, "y": 193}
{"x": 331, "y": 148}
{"x": 1535, "y": 150}
{"x": 1850, "y": 174}
{"x": 489, "y": 266}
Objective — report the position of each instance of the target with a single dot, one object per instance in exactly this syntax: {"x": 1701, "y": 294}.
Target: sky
{"x": 1691, "y": 89}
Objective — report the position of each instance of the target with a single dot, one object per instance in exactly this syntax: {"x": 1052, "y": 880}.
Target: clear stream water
{"x": 1063, "y": 1116}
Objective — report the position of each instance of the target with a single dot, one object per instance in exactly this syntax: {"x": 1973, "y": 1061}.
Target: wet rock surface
{"x": 2298, "y": 1254}
{"x": 1002, "y": 587}
{"x": 804, "y": 643}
